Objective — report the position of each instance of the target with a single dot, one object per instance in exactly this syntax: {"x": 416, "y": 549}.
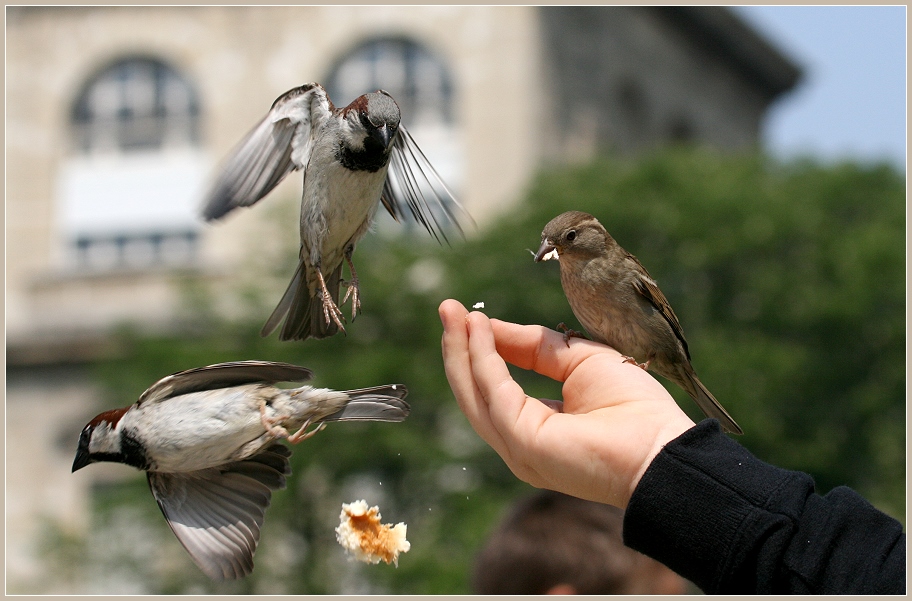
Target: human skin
{"x": 596, "y": 444}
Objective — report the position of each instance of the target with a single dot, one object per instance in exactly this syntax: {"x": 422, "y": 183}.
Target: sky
{"x": 851, "y": 101}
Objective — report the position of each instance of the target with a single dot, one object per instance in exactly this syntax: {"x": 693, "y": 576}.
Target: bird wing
{"x": 276, "y": 146}
{"x": 217, "y": 513}
{"x": 647, "y": 287}
{"x": 223, "y": 375}
{"x": 413, "y": 184}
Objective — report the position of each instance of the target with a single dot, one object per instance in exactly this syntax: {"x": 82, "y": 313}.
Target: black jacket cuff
{"x": 729, "y": 522}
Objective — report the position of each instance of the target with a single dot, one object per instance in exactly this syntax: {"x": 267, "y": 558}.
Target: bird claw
{"x": 301, "y": 435}
{"x": 568, "y": 333}
{"x": 354, "y": 291}
{"x": 271, "y": 423}
{"x": 643, "y": 366}
{"x": 277, "y": 431}
{"x": 331, "y": 312}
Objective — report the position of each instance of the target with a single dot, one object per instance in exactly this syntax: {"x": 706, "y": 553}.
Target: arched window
{"x": 136, "y": 104}
{"x": 420, "y": 82}
{"x": 128, "y": 192}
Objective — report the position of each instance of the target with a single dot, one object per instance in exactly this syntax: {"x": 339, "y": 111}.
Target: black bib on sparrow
{"x": 371, "y": 158}
{"x": 360, "y": 156}
{"x": 131, "y": 452}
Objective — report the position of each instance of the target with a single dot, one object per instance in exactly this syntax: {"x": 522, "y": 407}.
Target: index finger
{"x": 543, "y": 350}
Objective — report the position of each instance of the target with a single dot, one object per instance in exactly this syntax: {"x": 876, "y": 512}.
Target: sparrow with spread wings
{"x": 352, "y": 158}
{"x": 207, "y": 439}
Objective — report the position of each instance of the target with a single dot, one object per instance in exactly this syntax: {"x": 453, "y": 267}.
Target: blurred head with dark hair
{"x": 552, "y": 543}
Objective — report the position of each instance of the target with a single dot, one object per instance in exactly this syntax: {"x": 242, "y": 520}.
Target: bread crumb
{"x": 364, "y": 538}
{"x": 551, "y": 255}
{"x": 478, "y": 305}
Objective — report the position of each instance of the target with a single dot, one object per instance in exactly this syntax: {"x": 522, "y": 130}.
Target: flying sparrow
{"x": 619, "y": 304}
{"x": 353, "y": 158}
{"x": 206, "y": 438}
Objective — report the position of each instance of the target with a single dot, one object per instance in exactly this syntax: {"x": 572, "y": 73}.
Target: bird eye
{"x": 571, "y": 235}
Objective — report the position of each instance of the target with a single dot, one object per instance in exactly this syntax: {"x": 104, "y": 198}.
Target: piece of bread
{"x": 363, "y": 536}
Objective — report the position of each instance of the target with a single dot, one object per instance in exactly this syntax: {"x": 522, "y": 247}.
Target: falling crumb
{"x": 478, "y": 305}
{"x": 363, "y": 536}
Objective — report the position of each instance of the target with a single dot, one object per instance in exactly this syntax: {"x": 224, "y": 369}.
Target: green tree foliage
{"x": 787, "y": 278}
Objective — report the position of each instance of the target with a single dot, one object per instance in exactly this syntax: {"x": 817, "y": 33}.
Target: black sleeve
{"x": 731, "y": 523}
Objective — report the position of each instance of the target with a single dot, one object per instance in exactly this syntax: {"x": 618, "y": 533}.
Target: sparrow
{"x": 207, "y": 440}
{"x": 619, "y": 304}
{"x": 352, "y": 158}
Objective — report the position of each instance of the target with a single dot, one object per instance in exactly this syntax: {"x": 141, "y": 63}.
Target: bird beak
{"x": 545, "y": 251}
{"x": 382, "y": 135}
{"x": 82, "y": 459}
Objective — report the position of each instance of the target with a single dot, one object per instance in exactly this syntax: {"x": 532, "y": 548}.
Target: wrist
{"x": 665, "y": 435}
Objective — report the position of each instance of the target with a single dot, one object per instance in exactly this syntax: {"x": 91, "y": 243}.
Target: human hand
{"x": 596, "y": 444}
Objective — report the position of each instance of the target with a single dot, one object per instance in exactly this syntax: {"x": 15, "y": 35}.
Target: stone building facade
{"x": 116, "y": 116}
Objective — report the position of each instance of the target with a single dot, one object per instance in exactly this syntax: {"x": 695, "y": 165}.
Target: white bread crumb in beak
{"x": 551, "y": 255}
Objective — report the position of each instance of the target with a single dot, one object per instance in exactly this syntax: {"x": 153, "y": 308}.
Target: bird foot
{"x": 301, "y": 435}
{"x": 331, "y": 312}
{"x": 272, "y": 423}
{"x": 643, "y": 366}
{"x": 568, "y": 333}
{"x": 354, "y": 291}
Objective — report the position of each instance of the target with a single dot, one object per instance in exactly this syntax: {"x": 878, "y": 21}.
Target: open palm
{"x": 596, "y": 443}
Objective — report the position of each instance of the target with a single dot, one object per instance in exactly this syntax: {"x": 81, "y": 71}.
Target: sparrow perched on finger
{"x": 353, "y": 158}
{"x": 207, "y": 440}
{"x": 619, "y": 304}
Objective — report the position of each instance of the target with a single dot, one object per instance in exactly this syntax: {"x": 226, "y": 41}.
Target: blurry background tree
{"x": 788, "y": 280}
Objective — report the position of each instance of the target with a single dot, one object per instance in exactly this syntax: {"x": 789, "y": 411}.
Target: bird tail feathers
{"x": 285, "y": 303}
{"x": 379, "y": 404}
{"x": 706, "y": 401}
{"x": 303, "y": 313}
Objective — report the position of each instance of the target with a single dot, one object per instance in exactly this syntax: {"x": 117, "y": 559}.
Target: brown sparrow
{"x": 353, "y": 158}
{"x": 206, "y": 438}
{"x": 619, "y": 304}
